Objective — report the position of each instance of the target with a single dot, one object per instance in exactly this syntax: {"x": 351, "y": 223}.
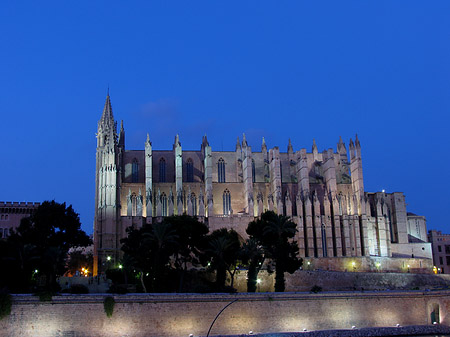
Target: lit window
{"x": 226, "y": 202}
{"x": 164, "y": 204}
{"x": 133, "y": 205}
{"x": 194, "y": 204}
{"x": 162, "y": 170}
{"x": 221, "y": 170}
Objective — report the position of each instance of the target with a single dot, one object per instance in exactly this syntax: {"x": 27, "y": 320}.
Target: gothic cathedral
{"x": 323, "y": 192}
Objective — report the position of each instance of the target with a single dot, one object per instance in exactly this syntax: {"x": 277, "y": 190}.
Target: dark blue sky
{"x": 285, "y": 69}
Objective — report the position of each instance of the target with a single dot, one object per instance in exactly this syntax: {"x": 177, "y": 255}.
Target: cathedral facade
{"x": 323, "y": 193}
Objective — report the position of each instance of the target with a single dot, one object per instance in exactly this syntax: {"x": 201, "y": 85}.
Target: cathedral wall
{"x": 128, "y": 158}
{"x": 230, "y": 166}
{"x": 261, "y": 167}
{"x": 418, "y": 250}
{"x": 197, "y": 160}
{"x": 169, "y": 158}
{"x": 237, "y": 222}
{"x": 125, "y": 191}
{"x": 417, "y": 227}
{"x": 236, "y": 193}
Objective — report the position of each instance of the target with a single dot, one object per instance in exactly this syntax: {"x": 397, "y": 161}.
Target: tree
{"x": 222, "y": 252}
{"x": 275, "y": 234}
{"x": 41, "y": 243}
{"x": 190, "y": 233}
{"x": 252, "y": 256}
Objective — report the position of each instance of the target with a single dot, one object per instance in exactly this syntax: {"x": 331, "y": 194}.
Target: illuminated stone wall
{"x": 184, "y": 314}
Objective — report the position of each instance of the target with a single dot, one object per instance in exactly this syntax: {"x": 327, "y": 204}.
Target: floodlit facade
{"x": 441, "y": 250}
{"x": 11, "y": 213}
{"x": 323, "y": 193}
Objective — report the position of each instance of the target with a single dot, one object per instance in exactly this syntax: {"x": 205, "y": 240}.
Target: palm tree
{"x": 275, "y": 234}
{"x": 163, "y": 241}
{"x": 223, "y": 248}
{"x": 252, "y": 256}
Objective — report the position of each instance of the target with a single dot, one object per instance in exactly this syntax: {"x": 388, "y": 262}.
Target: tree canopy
{"x": 38, "y": 248}
{"x": 275, "y": 234}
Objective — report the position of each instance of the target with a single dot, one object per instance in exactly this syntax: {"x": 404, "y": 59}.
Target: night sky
{"x": 278, "y": 69}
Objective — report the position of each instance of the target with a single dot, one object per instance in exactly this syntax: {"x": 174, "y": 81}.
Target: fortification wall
{"x": 303, "y": 280}
{"x": 183, "y": 314}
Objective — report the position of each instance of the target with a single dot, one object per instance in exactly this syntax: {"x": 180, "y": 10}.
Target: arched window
{"x": 324, "y": 241}
{"x": 221, "y": 170}
{"x": 162, "y": 170}
{"x": 135, "y": 171}
{"x": 253, "y": 171}
{"x": 189, "y": 171}
{"x": 226, "y": 202}
{"x": 194, "y": 204}
{"x": 133, "y": 204}
{"x": 164, "y": 204}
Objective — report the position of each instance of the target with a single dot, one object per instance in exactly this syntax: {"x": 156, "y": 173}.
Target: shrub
{"x": 5, "y": 304}
{"x": 108, "y": 305}
{"x": 44, "y": 296}
{"x": 79, "y": 289}
{"x": 316, "y": 289}
{"x": 117, "y": 289}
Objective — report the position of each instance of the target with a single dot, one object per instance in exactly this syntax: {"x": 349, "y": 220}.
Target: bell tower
{"x": 107, "y": 227}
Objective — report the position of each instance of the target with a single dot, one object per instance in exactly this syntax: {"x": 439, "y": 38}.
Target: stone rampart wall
{"x": 184, "y": 314}
{"x": 304, "y": 280}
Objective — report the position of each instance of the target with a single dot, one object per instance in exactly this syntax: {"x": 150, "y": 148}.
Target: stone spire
{"x": 341, "y": 146}
{"x": 290, "y": 149}
{"x": 244, "y": 140}
{"x": 315, "y": 151}
{"x": 263, "y": 146}
{"x": 121, "y": 135}
{"x": 238, "y": 144}
{"x": 357, "y": 144}
{"x": 177, "y": 141}
{"x": 107, "y": 115}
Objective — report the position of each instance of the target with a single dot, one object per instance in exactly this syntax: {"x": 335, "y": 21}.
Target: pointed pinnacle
{"x": 314, "y": 147}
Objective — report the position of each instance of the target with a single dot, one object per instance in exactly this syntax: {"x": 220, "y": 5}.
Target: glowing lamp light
{"x": 108, "y": 258}
{"x": 120, "y": 266}
{"x": 250, "y": 332}
{"x": 308, "y": 263}
{"x": 305, "y": 329}
{"x": 191, "y": 335}
{"x": 258, "y": 281}
{"x": 398, "y": 325}
{"x": 383, "y": 191}
{"x": 353, "y": 327}
{"x": 36, "y": 271}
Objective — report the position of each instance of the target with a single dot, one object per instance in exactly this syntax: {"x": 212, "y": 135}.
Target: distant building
{"x": 340, "y": 225}
{"x": 12, "y": 212}
{"x": 440, "y": 244}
